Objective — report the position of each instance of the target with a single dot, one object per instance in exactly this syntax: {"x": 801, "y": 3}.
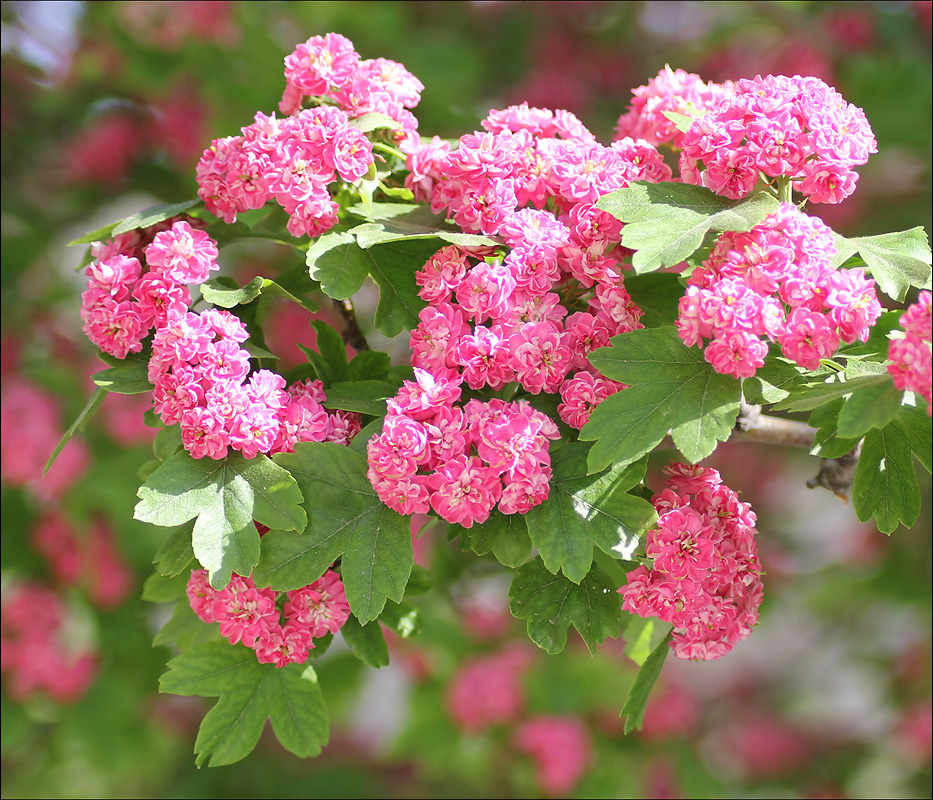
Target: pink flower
{"x": 321, "y": 606}
{"x": 561, "y": 747}
{"x": 182, "y": 254}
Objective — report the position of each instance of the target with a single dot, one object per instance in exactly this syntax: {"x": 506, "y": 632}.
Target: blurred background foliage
{"x": 105, "y": 110}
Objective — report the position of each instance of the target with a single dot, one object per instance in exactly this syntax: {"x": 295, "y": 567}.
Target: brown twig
{"x": 351, "y": 333}
{"x": 836, "y": 474}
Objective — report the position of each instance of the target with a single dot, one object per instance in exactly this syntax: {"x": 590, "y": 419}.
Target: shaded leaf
{"x": 417, "y": 223}
{"x": 885, "y": 486}
{"x": 346, "y": 520}
{"x": 637, "y": 700}
{"x": 143, "y": 219}
{"x": 551, "y": 603}
{"x": 250, "y": 693}
{"x": 175, "y": 554}
{"x": 503, "y": 535}
{"x": 872, "y": 406}
{"x": 90, "y": 408}
{"x": 366, "y": 641}
{"x": 658, "y": 294}
{"x": 365, "y": 397}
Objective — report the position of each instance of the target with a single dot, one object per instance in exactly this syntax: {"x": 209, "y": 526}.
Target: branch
{"x": 351, "y": 333}
{"x": 753, "y": 426}
{"x": 836, "y": 474}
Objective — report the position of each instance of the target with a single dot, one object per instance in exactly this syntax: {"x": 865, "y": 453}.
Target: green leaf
{"x": 637, "y": 700}
{"x": 373, "y": 121}
{"x": 226, "y": 293}
{"x": 223, "y": 497}
{"x": 551, "y": 603}
{"x": 503, "y": 535}
{"x": 343, "y": 266}
{"x": 367, "y": 642}
{"x": 642, "y": 636}
{"x": 175, "y": 554}
{"x": 160, "y": 588}
{"x": 807, "y": 396}
{"x": 667, "y": 222}
{"x": 131, "y": 378}
{"x": 167, "y": 442}
{"x": 365, "y": 397}
{"x": 369, "y": 365}
{"x": 885, "y": 485}
{"x": 772, "y": 382}
{"x": 826, "y": 442}
{"x": 872, "y": 406}
{"x": 330, "y": 360}
{"x": 250, "y": 693}
{"x": 185, "y": 629}
{"x": 671, "y": 388}
{"x": 336, "y": 261}
{"x": 93, "y": 403}
{"x": 143, "y": 219}
{"x": 583, "y": 509}
{"x": 403, "y": 619}
{"x": 417, "y": 223}
{"x": 658, "y": 294}
{"x": 896, "y": 261}
{"x": 346, "y": 520}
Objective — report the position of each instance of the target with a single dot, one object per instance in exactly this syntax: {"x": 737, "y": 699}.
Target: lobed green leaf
{"x": 671, "y": 388}
{"x": 666, "y": 223}
{"x": 584, "y": 509}
{"x": 551, "y": 603}
{"x": 250, "y": 693}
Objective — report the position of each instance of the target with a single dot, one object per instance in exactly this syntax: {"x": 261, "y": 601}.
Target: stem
{"x": 785, "y": 190}
{"x": 386, "y": 148}
{"x": 351, "y": 333}
{"x": 836, "y": 474}
{"x": 753, "y": 426}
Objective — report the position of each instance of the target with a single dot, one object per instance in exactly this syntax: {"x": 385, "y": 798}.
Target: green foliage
{"x": 346, "y": 521}
{"x": 250, "y": 693}
{"x": 897, "y": 261}
{"x": 666, "y": 223}
{"x": 552, "y": 603}
{"x": 585, "y": 509}
{"x": 885, "y": 486}
{"x": 637, "y": 700}
{"x": 671, "y": 388}
{"x": 224, "y": 497}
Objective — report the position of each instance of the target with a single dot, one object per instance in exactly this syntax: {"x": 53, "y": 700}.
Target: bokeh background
{"x": 105, "y": 109}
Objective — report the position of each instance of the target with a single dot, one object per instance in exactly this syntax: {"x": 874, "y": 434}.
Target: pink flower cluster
{"x": 90, "y": 559}
{"x": 329, "y": 67}
{"x": 796, "y": 128}
{"x": 776, "y": 282}
{"x": 121, "y": 304}
{"x": 41, "y": 654}
{"x": 561, "y": 748}
{"x": 202, "y": 380}
{"x": 673, "y": 91}
{"x": 31, "y": 428}
{"x": 519, "y": 161}
{"x": 487, "y": 690}
{"x": 424, "y": 457}
{"x": 706, "y": 575}
{"x": 292, "y": 161}
{"x": 251, "y": 615}
{"x": 911, "y": 359}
